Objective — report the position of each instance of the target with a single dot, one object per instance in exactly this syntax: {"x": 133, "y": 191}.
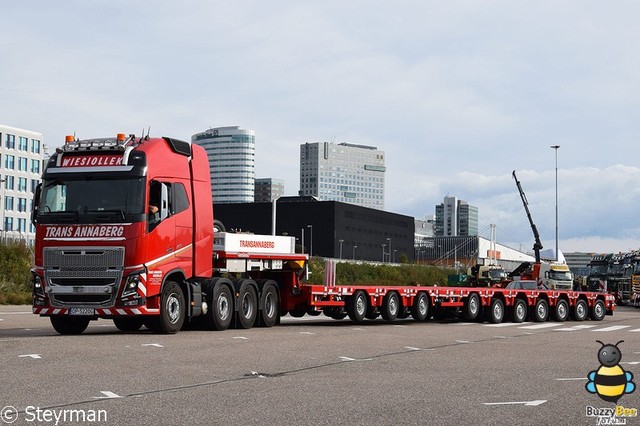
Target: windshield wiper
{"x": 119, "y": 212}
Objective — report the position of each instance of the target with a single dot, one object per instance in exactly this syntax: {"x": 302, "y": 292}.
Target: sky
{"x": 458, "y": 94}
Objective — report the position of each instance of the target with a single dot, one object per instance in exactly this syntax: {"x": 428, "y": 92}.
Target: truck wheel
{"x": 390, "y": 306}
{"x": 128, "y": 323}
{"x": 540, "y": 311}
{"x": 270, "y": 306}
{"x": 420, "y": 308}
{"x": 172, "y": 310}
{"x": 69, "y": 325}
{"x": 357, "y": 306}
{"x": 471, "y": 308}
{"x": 598, "y": 311}
{"x": 247, "y": 306}
{"x": 519, "y": 311}
{"x": 221, "y": 305}
{"x": 561, "y": 311}
{"x": 496, "y": 311}
{"x": 580, "y": 310}
{"x": 372, "y": 313}
{"x": 335, "y": 313}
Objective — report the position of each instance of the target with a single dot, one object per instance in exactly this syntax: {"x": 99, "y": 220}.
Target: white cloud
{"x": 458, "y": 94}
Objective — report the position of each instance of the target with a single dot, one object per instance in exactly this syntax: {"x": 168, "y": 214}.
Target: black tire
{"x": 519, "y": 311}
{"x": 598, "y": 311}
{"x": 496, "y": 311}
{"x": 561, "y": 311}
{"x": 128, "y": 323}
{"x": 270, "y": 306}
{"x": 220, "y": 299}
{"x": 69, "y": 325}
{"x": 580, "y": 310}
{"x": 357, "y": 306}
{"x": 172, "y": 310}
{"x": 472, "y": 307}
{"x": 247, "y": 305}
{"x": 298, "y": 312}
{"x": 335, "y": 313}
{"x": 540, "y": 311}
{"x": 218, "y": 226}
{"x": 372, "y": 313}
{"x": 391, "y": 306}
{"x": 420, "y": 311}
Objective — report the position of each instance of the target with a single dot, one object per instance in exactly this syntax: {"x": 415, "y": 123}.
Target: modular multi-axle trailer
{"x": 102, "y": 252}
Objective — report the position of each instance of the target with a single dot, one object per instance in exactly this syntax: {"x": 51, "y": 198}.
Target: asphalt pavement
{"x": 314, "y": 371}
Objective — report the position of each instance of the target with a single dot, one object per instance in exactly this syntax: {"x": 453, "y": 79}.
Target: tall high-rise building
{"x": 21, "y": 164}
{"x": 343, "y": 172}
{"x": 456, "y": 218}
{"x": 268, "y": 189}
{"x": 231, "y": 152}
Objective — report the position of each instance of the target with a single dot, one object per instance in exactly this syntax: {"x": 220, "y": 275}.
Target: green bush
{"x": 15, "y": 276}
{"x": 373, "y": 274}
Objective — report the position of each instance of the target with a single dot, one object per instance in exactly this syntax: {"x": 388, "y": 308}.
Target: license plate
{"x": 82, "y": 311}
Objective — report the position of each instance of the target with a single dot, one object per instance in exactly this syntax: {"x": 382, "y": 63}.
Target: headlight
{"x": 36, "y": 283}
{"x": 131, "y": 285}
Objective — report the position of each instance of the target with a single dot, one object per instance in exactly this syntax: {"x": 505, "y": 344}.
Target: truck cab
{"x": 556, "y": 276}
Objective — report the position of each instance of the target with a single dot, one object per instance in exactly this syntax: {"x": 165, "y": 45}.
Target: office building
{"x": 231, "y": 152}
{"x": 21, "y": 163}
{"x": 343, "y": 172}
{"x": 328, "y": 228}
{"x": 268, "y": 189}
{"x": 456, "y": 218}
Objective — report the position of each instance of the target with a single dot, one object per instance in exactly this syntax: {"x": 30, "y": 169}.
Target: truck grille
{"x": 89, "y": 276}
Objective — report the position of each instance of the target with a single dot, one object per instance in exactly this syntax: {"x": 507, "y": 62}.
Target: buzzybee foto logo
{"x": 610, "y": 382}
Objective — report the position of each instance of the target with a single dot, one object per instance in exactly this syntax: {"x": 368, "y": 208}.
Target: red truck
{"x": 102, "y": 252}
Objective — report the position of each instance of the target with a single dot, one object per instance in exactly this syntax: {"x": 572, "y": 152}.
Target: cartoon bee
{"x": 610, "y": 381}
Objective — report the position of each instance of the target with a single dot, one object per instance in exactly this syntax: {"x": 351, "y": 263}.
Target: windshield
{"x": 561, "y": 275}
{"x": 87, "y": 198}
{"x": 598, "y": 269}
{"x": 497, "y": 274}
{"x": 616, "y": 268}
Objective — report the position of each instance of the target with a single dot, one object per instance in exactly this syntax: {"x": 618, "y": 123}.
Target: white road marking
{"x": 107, "y": 395}
{"x": 505, "y": 324}
{"x": 539, "y": 326}
{"x": 613, "y": 328}
{"x": 527, "y": 403}
{"x": 347, "y": 359}
{"x": 156, "y": 345}
{"x": 33, "y": 356}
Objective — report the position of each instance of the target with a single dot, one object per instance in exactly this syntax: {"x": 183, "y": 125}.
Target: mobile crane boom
{"x": 537, "y": 245}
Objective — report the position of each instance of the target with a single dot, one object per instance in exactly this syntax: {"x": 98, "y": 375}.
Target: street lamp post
{"x": 555, "y": 148}
{"x": 311, "y": 240}
{"x": 341, "y": 241}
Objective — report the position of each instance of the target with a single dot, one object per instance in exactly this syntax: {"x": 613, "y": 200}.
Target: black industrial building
{"x": 327, "y": 228}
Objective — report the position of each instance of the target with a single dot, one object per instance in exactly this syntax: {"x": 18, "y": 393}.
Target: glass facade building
{"x": 456, "y": 218}
{"x": 21, "y": 165}
{"x": 343, "y": 172}
{"x": 231, "y": 152}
